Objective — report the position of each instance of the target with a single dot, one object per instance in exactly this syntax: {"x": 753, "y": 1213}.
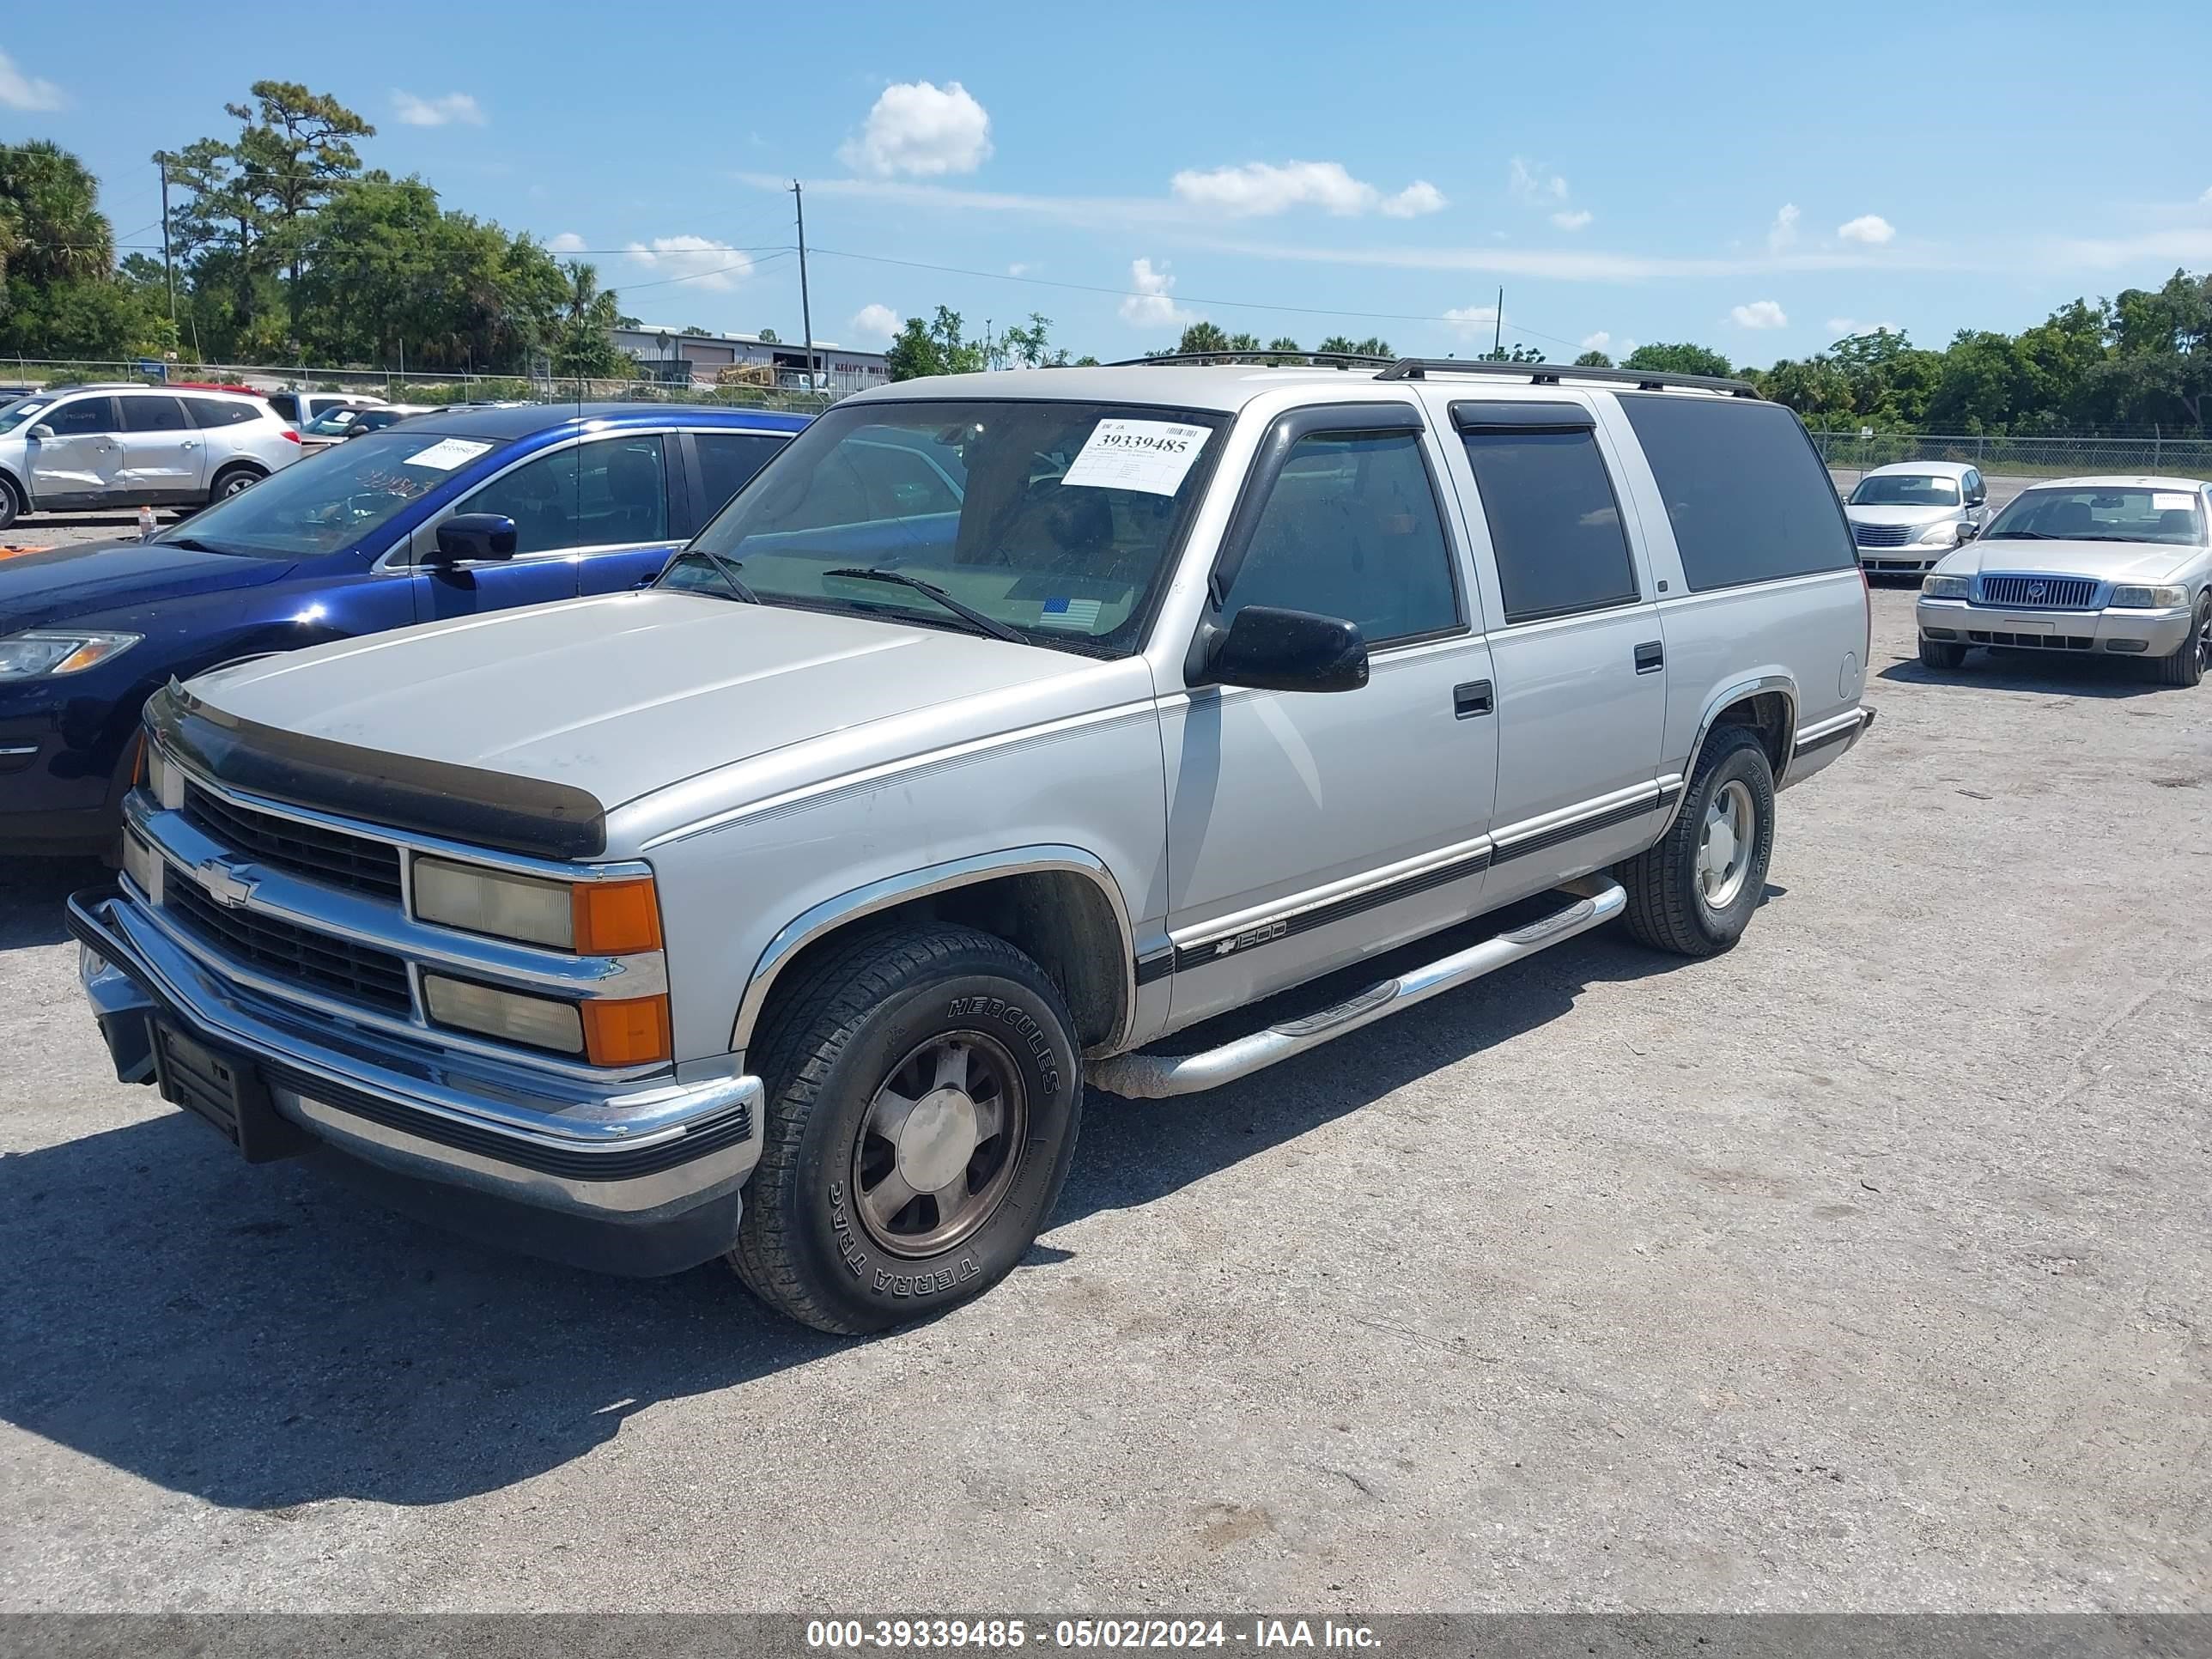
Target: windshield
{"x": 12, "y": 414}
{"x": 2120, "y": 513}
{"x": 329, "y": 425}
{"x": 1906, "y": 489}
{"x": 1056, "y": 520}
{"x": 331, "y": 499}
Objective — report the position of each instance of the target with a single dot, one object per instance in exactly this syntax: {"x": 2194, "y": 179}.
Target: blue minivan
{"x": 442, "y": 516}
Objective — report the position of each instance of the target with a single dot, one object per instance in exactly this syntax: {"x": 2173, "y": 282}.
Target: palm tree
{"x": 51, "y": 229}
{"x": 588, "y": 304}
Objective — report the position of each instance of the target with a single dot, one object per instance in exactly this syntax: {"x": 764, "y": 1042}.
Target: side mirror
{"x": 43, "y": 433}
{"x": 1273, "y": 649}
{"x": 1968, "y": 530}
{"x": 468, "y": 538}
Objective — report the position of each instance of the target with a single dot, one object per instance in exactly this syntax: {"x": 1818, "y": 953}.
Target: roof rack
{"x": 1416, "y": 368}
{"x": 1297, "y": 359}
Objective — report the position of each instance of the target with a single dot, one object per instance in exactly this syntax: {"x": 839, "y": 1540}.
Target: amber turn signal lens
{"x": 631, "y": 1031}
{"x": 616, "y": 918}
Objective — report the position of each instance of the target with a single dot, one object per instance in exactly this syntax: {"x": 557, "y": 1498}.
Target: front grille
{"x": 1885, "y": 535}
{"x": 2039, "y": 592}
{"x": 336, "y": 967}
{"x": 331, "y": 856}
{"x": 2031, "y": 641}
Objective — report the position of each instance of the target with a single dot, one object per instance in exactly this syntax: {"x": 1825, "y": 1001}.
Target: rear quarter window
{"x": 1745, "y": 490}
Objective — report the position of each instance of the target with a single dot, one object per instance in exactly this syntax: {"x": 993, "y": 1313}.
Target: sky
{"x": 1761, "y": 179}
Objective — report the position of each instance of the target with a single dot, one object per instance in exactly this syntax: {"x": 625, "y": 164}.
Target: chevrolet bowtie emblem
{"x": 226, "y": 884}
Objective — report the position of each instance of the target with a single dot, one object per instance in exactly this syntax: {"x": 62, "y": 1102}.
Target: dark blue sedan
{"x": 442, "y": 516}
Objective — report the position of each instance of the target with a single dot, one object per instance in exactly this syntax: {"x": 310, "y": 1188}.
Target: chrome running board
{"x": 1152, "y": 1077}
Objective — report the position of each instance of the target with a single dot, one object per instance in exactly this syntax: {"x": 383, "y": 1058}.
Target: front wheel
{"x": 9, "y": 506}
{"x": 1693, "y": 891}
{"x": 2188, "y": 665}
{"x": 1945, "y": 656}
{"x": 924, "y": 1096}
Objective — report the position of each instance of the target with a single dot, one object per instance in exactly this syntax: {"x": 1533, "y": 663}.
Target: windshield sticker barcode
{"x": 1153, "y": 456}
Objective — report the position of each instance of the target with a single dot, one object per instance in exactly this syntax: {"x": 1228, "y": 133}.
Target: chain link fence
{"x": 19, "y": 374}
{"x": 2053, "y": 456}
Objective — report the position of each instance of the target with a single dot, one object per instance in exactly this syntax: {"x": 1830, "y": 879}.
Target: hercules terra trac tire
{"x": 1667, "y": 907}
{"x": 961, "y": 1046}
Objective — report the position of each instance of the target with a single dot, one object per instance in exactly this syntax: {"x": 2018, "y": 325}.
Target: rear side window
{"x": 219, "y": 411}
{"x": 1554, "y": 525}
{"x": 1351, "y": 530}
{"x": 727, "y": 461}
{"x": 154, "y": 414}
{"x": 1747, "y": 494}
{"x": 286, "y": 405}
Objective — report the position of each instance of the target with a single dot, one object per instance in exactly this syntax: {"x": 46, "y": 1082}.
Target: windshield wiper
{"x": 2018, "y": 536}
{"x": 193, "y": 544}
{"x": 991, "y": 625}
{"x": 725, "y": 570}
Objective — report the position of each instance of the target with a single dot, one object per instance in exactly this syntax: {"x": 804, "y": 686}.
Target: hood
{"x": 1899, "y": 514}
{"x": 2112, "y": 562}
{"x": 63, "y": 583}
{"x": 621, "y": 695}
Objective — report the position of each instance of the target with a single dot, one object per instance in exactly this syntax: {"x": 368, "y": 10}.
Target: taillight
{"x": 290, "y": 435}
{"x": 1866, "y": 598}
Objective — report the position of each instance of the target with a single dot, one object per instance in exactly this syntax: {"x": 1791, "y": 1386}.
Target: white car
{"x": 2117, "y": 565}
{"x": 1907, "y": 516}
{"x": 303, "y": 409}
{"x": 335, "y": 426}
{"x": 129, "y": 445}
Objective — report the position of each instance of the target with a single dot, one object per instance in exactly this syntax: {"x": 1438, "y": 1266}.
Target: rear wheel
{"x": 924, "y": 1096}
{"x": 1693, "y": 891}
{"x": 2188, "y": 665}
{"x": 1944, "y": 655}
{"x": 232, "y": 480}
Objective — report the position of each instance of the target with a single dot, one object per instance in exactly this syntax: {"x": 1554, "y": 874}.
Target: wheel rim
{"x": 2204, "y": 637}
{"x": 941, "y": 1144}
{"x": 233, "y": 484}
{"x": 1724, "y": 850}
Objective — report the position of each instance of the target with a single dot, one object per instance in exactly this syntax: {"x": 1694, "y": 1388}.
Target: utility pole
{"x": 168, "y": 270}
{"x": 1498, "y": 335}
{"x": 805, "y": 306}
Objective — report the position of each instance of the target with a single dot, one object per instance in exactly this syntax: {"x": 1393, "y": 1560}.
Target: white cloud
{"x": 1600, "y": 341}
{"x": 1533, "y": 186}
{"x": 1870, "y": 229}
{"x": 1258, "y": 188}
{"x": 1784, "y": 231}
{"x": 881, "y": 321}
{"x": 922, "y": 129}
{"x": 1472, "y": 322}
{"x": 1019, "y": 269}
{"x": 694, "y": 259}
{"x": 1152, "y": 305}
{"x": 1842, "y": 327}
{"x": 2206, "y": 199}
{"x": 26, "y": 92}
{"x": 566, "y": 242}
{"x": 436, "y": 112}
{"x": 1760, "y": 313}
{"x": 1572, "y": 218}
{"x": 1419, "y": 197}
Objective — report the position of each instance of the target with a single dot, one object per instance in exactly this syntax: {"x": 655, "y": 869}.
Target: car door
{"x": 629, "y": 510}
{"x": 1307, "y": 830}
{"x": 163, "y": 457}
{"x": 542, "y": 494}
{"x": 1576, "y": 646}
{"x": 82, "y": 462}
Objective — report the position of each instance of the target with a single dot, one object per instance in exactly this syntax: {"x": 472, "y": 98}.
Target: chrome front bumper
{"x": 632, "y": 1154}
{"x": 2130, "y": 632}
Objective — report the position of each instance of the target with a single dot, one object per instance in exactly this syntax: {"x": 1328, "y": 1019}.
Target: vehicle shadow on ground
{"x": 32, "y": 892}
{"x": 2055, "y": 673}
{"x": 264, "y": 1338}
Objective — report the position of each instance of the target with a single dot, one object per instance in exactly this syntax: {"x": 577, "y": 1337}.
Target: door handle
{"x": 188, "y": 443}
{"x": 1650, "y": 657}
{"x": 1471, "y": 699}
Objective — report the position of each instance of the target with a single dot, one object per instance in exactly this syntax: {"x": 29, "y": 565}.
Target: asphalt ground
{"x": 1863, "y": 1268}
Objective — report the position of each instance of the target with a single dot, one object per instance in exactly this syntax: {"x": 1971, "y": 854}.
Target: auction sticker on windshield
{"x": 447, "y": 453}
{"x": 1153, "y": 456}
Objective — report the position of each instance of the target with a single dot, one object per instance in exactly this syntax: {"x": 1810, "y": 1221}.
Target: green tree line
{"x": 287, "y": 247}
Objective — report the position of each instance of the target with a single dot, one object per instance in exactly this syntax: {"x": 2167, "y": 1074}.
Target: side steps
{"x": 1592, "y": 901}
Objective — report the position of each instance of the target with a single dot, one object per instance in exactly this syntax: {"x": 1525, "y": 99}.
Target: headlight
{"x": 1948, "y": 587}
{"x": 539, "y": 1022}
{"x": 599, "y": 918}
{"x": 1944, "y": 533}
{"x": 2149, "y": 599}
{"x": 29, "y": 656}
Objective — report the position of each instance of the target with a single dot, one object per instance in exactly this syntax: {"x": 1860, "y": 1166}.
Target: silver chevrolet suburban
{"x": 1004, "y": 728}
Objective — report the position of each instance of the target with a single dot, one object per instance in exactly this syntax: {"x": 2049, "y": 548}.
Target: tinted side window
{"x": 154, "y": 414}
{"x": 610, "y": 493}
{"x": 1748, "y": 497}
{"x": 727, "y": 461}
{"x": 1351, "y": 529}
{"x": 1554, "y": 525}
{"x": 81, "y": 417}
{"x": 219, "y": 411}
{"x": 286, "y": 405}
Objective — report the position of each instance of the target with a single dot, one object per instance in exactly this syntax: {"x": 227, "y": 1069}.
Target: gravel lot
{"x": 1864, "y": 1268}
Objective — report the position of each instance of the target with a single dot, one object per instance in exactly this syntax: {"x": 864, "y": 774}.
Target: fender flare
{"x": 1773, "y": 679}
{"x": 890, "y": 891}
